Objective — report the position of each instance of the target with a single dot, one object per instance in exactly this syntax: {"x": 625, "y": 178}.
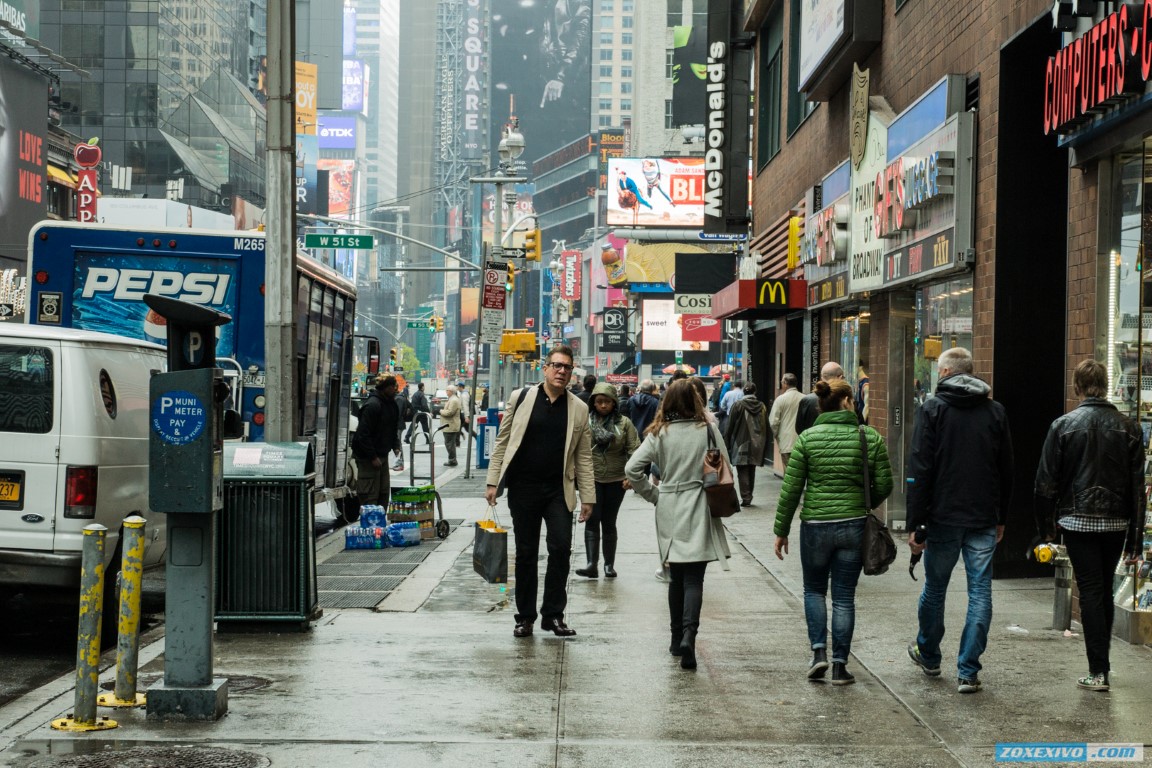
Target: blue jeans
{"x": 945, "y": 544}
{"x": 831, "y": 549}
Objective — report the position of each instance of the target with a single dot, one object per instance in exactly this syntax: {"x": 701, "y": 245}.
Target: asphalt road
{"x": 38, "y": 635}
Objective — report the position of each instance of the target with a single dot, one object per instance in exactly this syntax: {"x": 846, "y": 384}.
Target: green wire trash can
{"x": 266, "y": 547}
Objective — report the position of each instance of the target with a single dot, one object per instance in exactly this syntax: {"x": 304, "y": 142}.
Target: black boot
{"x": 676, "y": 615}
{"x": 688, "y": 649}
{"x": 819, "y": 664}
{"x": 693, "y": 600}
{"x": 592, "y": 547}
{"x": 610, "y": 554}
{"x": 841, "y": 675}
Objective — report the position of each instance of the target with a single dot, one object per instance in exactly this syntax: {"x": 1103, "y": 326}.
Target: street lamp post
{"x": 510, "y": 148}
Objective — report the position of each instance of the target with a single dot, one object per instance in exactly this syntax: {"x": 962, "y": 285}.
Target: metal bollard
{"x": 84, "y": 717}
{"x": 128, "y": 623}
{"x": 1062, "y": 599}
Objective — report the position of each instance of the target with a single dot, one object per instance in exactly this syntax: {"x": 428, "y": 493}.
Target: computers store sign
{"x": 1102, "y": 68}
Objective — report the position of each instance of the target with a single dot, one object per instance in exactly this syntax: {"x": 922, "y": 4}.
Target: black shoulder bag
{"x": 878, "y": 550}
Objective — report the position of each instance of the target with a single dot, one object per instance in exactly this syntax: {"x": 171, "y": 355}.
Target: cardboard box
{"x": 426, "y": 519}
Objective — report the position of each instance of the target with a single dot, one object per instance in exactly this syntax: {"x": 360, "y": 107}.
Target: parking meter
{"x": 186, "y": 482}
{"x": 186, "y": 439}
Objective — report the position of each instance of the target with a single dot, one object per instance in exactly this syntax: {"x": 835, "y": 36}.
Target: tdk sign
{"x": 336, "y": 132}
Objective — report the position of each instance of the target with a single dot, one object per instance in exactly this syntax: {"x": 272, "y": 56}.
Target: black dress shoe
{"x": 589, "y": 571}
{"x": 557, "y": 627}
{"x": 523, "y": 629}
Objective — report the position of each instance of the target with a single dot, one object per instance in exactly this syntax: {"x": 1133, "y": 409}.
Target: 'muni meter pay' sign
{"x": 178, "y": 417}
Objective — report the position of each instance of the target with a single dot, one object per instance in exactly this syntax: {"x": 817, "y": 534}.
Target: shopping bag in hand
{"x": 490, "y": 549}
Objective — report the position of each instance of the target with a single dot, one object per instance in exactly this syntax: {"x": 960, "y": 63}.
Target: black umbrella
{"x": 919, "y": 537}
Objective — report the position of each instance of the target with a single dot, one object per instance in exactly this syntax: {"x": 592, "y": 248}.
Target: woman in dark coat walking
{"x": 687, "y": 535}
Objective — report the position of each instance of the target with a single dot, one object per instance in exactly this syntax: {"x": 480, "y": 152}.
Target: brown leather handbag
{"x": 719, "y": 483}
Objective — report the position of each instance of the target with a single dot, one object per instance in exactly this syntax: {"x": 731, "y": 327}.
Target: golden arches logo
{"x": 777, "y": 291}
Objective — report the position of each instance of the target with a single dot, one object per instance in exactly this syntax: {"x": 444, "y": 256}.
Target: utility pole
{"x": 280, "y": 225}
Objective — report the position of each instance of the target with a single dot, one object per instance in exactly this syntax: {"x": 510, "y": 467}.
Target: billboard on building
{"x": 821, "y": 32}
{"x": 689, "y": 71}
{"x": 663, "y": 328}
{"x": 23, "y": 157}
{"x": 728, "y": 130}
{"x": 355, "y": 83}
{"x": 541, "y": 72}
{"x": 307, "y": 152}
{"x": 337, "y": 131}
{"x": 475, "y": 87}
{"x": 306, "y": 87}
{"x": 656, "y": 192}
{"x": 609, "y": 145}
{"x": 349, "y": 32}
{"x": 23, "y": 16}
{"x": 341, "y": 185}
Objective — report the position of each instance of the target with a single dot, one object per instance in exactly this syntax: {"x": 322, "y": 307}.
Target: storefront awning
{"x": 759, "y": 299}
{"x": 61, "y": 177}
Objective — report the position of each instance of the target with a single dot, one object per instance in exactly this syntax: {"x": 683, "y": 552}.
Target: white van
{"x": 73, "y": 449}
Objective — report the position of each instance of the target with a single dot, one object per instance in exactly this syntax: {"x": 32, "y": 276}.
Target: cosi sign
{"x": 1107, "y": 65}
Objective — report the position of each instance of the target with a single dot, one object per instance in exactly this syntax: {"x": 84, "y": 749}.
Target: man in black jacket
{"x": 423, "y": 415}
{"x": 1090, "y": 486}
{"x": 959, "y": 487}
{"x": 809, "y": 407}
{"x": 377, "y": 433}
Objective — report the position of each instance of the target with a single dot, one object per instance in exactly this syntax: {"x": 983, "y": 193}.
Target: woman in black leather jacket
{"x": 1090, "y": 488}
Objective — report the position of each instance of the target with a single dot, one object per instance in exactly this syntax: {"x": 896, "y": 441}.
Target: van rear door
{"x": 29, "y": 441}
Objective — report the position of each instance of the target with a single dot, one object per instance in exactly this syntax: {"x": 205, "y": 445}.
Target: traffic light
{"x": 439, "y": 324}
{"x": 510, "y": 280}
{"x": 432, "y": 324}
{"x": 392, "y": 357}
{"x": 532, "y": 245}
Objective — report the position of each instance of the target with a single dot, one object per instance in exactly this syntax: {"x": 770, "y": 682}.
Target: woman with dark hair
{"x": 614, "y": 439}
{"x": 687, "y": 535}
{"x": 827, "y": 466}
{"x": 1090, "y": 488}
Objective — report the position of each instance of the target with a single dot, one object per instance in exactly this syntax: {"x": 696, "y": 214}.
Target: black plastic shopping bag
{"x": 490, "y": 550}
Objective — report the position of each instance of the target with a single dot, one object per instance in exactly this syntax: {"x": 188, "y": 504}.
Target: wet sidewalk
{"x": 433, "y": 676}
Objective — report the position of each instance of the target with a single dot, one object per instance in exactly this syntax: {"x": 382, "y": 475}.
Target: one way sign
{"x": 7, "y": 310}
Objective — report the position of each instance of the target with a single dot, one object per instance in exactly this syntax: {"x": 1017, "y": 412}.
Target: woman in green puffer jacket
{"x": 827, "y": 466}
{"x": 614, "y": 439}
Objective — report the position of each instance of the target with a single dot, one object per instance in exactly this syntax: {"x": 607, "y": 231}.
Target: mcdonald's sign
{"x": 772, "y": 293}
{"x": 751, "y": 299}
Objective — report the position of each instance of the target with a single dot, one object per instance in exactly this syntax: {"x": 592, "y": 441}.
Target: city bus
{"x": 94, "y": 277}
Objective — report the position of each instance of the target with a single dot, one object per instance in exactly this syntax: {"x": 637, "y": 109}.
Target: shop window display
{"x": 943, "y": 321}
{"x": 1126, "y": 299}
{"x": 851, "y": 327}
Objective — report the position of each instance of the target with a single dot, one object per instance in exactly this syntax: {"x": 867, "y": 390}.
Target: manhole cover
{"x": 236, "y": 683}
{"x": 169, "y": 757}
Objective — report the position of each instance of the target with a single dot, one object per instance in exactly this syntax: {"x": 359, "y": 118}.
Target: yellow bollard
{"x": 128, "y": 623}
{"x": 83, "y": 717}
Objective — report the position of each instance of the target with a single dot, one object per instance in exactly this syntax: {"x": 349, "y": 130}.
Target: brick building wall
{"x": 1083, "y": 263}
{"x": 923, "y": 42}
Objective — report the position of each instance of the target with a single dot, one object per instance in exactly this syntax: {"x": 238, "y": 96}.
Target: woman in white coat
{"x": 689, "y": 538}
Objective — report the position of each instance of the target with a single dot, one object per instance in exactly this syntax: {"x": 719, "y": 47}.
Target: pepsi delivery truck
{"x": 94, "y": 277}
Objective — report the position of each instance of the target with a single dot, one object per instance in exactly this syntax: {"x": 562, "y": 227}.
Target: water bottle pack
{"x": 373, "y": 516}
{"x": 403, "y": 534}
{"x": 362, "y": 537}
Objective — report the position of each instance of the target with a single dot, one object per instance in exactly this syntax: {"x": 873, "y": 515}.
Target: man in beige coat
{"x": 450, "y": 419}
{"x": 543, "y": 452}
{"x": 782, "y": 419}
